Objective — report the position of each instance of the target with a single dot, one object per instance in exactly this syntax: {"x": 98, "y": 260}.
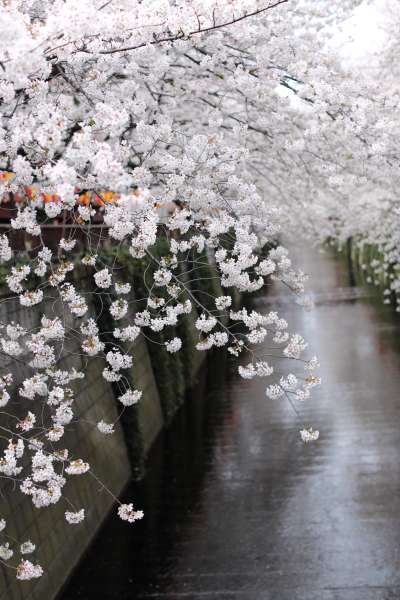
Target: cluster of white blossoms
{"x": 174, "y": 345}
{"x": 26, "y": 570}
{"x": 75, "y": 517}
{"x": 130, "y": 397}
{"x": 127, "y": 513}
{"x": 77, "y": 467}
{"x": 6, "y": 552}
{"x": 213, "y": 124}
{"x": 129, "y": 333}
{"x": 118, "y": 309}
{"x": 308, "y": 435}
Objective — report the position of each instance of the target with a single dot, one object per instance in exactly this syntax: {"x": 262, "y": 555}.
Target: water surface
{"x": 238, "y": 508}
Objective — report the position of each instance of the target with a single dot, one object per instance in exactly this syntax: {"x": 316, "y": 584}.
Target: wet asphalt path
{"x": 238, "y": 508}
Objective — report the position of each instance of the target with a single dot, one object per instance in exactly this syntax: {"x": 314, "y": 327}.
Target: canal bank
{"x": 161, "y": 377}
{"x": 237, "y": 507}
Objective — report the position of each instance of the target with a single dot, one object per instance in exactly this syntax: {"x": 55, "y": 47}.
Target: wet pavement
{"x": 238, "y": 508}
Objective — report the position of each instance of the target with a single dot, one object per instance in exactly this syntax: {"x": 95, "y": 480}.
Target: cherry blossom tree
{"x": 340, "y": 177}
{"x": 213, "y": 123}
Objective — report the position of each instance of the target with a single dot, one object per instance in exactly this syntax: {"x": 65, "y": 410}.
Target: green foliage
{"x": 201, "y": 275}
{"x": 172, "y": 372}
{"x": 130, "y": 414}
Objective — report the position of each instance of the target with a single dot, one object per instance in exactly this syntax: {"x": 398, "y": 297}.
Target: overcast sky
{"x": 361, "y": 35}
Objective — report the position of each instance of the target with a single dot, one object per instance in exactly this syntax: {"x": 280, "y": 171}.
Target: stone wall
{"x": 59, "y": 545}
{"x": 150, "y": 413}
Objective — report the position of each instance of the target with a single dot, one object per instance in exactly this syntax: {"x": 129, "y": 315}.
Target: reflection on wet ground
{"x": 238, "y": 508}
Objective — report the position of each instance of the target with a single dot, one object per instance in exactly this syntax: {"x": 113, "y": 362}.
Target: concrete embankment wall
{"x": 59, "y": 545}
{"x": 114, "y": 459}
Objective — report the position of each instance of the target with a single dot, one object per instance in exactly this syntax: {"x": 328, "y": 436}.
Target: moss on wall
{"x": 172, "y": 372}
{"x": 129, "y": 415}
{"x": 201, "y": 275}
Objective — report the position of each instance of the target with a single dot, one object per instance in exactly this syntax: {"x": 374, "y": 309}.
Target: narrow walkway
{"x": 238, "y": 508}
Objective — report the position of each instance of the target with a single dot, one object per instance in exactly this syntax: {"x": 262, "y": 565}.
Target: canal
{"x": 238, "y": 508}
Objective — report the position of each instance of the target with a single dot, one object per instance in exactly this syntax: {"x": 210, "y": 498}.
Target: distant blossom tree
{"x": 176, "y": 107}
